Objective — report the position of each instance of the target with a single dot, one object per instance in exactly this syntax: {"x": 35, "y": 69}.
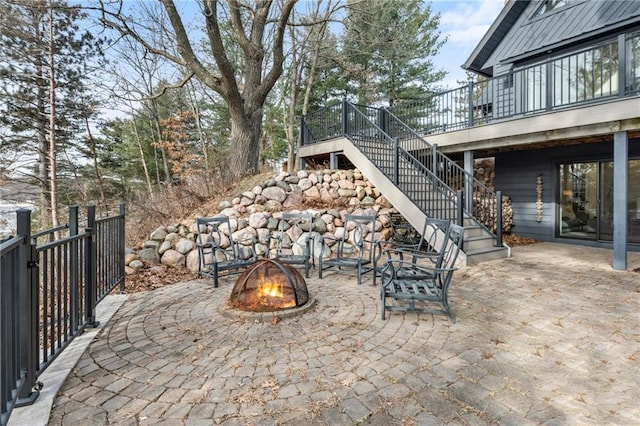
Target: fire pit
{"x": 268, "y": 288}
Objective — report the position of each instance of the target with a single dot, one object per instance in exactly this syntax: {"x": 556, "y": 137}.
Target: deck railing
{"x": 435, "y": 183}
{"x": 602, "y": 73}
{"x": 48, "y": 294}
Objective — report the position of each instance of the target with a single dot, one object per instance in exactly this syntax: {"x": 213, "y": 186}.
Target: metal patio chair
{"x": 293, "y": 242}
{"x": 427, "y": 247}
{"x": 411, "y": 286}
{"x": 353, "y": 250}
{"x": 218, "y": 251}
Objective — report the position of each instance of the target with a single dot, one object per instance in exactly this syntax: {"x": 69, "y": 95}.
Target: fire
{"x": 271, "y": 289}
{"x": 269, "y": 286}
{"x": 271, "y": 294}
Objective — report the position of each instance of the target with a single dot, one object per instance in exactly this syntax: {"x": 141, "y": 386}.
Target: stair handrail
{"x": 366, "y": 135}
{"x": 479, "y": 198}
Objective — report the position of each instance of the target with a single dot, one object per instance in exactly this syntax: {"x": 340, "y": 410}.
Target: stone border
{"x": 231, "y": 312}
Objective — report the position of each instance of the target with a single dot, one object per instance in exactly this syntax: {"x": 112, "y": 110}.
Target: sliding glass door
{"x": 586, "y": 201}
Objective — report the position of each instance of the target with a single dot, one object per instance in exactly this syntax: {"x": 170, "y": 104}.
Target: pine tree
{"x": 387, "y": 50}
{"x": 44, "y": 97}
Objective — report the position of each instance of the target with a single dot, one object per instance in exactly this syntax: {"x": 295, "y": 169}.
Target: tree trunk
{"x": 245, "y": 134}
{"x": 96, "y": 168}
{"x": 142, "y": 157}
{"x": 52, "y": 125}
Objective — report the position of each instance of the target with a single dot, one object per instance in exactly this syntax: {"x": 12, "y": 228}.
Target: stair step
{"x": 483, "y": 241}
{"x": 485, "y": 254}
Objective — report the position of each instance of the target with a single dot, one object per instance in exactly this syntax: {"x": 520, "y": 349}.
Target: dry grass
{"x": 197, "y": 197}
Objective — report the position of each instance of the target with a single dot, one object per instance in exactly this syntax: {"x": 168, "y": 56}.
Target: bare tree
{"x": 245, "y": 86}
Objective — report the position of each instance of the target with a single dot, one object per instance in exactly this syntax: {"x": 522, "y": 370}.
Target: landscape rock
{"x": 149, "y": 255}
{"x": 274, "y": 193}
{"x": 173, "y": 258}
{"x": 136, "y": 264}
{"x": 159, "y": 234}
{"x": 184, "y": 246}
{"x": 166, "y": 245}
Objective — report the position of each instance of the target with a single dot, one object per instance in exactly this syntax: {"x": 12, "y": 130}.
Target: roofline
{"x": 600, "y": 32}
{"x": 497, "y": 23}
{"x": 468, "y": 64}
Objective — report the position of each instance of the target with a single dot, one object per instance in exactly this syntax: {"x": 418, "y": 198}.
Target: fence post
{"x": 90, "y": 269}
{"x": 383, "y": 120}
{"x": 302, "y": 130}
{"x": 75, "y": 261}
{"x": 121, "y": 244}
{"x": 499, "y": 218}
{"x": 622, "y": 65}
{"x": 434, "y": 159}
{"x": 548, "y": 75}
{"x": 345, "y": 118}
{"x": 470, "y": 104}
{"x": 460, "y": 207}
{"x": 395, "y": 161}
{"x": 28, "y": 307}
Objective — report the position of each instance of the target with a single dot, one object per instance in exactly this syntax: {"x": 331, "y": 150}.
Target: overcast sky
{"x": 465, "y": 22}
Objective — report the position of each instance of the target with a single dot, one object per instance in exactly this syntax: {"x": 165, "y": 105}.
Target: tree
{"x": 387, "y": 48}
{"x": 254, "y": 25}
{"x": 46, "y": 61}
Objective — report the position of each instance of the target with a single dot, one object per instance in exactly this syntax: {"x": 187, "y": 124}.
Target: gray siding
{"x": 517, "y": 173}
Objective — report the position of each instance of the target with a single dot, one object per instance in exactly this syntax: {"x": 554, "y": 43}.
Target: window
{"x": 549, "y": 5}
{"x": 633, "y": 64}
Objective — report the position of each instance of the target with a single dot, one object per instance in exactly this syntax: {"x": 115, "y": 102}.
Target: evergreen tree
{"x": 387, "y": 50}
{"x": 44, "y": 99}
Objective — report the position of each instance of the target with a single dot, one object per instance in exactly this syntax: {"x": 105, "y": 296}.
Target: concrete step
{"x": 479, "y": 242}
{"x": 471, "y": 231}
{"x": 486, "y": 254}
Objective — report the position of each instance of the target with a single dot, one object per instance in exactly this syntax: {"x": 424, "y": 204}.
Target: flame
{"x": 271, "y": 293}
{"x": 271, "y": 289}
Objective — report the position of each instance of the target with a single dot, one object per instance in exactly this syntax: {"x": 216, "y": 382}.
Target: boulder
{"x": 173, "y": 258}
{"x": 159, "y": 234}
{"x": 136, "y": 265}
{"x": 258, "y": 220}
{"x": 166, "y": 245}
{"x": 149, "y": 255}
{"x": 274, "y": 193}
{"x": 184, "y": 246}
{"x": 130, "y": 257}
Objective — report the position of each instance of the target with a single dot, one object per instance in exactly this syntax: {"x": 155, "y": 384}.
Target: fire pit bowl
{"x": 268, "y": 287}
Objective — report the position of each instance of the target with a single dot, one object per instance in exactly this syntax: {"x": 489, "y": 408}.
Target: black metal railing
{"x": 605, "y": 72}
{"x": 48, "y": 295}
{"x": 435, "y": 183}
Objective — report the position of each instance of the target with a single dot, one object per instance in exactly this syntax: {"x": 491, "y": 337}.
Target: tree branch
{"x": 166, "y": 87}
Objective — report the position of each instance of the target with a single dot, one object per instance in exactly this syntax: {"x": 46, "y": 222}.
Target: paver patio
{"x": 549, "y": 336}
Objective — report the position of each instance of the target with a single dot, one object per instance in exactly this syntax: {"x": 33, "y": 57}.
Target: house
{"x": 557, "y": 108}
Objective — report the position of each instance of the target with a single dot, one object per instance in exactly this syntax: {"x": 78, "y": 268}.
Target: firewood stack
{"x": 484, "y": 171}
{"x": 484, "y": 211}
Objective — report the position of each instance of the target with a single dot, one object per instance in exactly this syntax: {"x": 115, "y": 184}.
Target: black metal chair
{"x": 293, "y": 243}
{"x": 353, "y": 250}
{"x": 415, "y": 286}
{"x": 218, "y": 251}
{"x": 427, "y": 246}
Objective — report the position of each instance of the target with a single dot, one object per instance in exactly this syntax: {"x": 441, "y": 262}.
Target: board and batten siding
{"x": 516, "y": 174}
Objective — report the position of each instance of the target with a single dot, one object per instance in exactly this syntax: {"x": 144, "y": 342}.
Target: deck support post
{"x": 620, "y": 202}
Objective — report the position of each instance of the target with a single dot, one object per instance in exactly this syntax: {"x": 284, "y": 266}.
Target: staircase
{"x": 413, "y": 175}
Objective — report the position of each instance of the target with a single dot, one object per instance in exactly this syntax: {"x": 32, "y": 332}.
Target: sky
{"x": 465, "y": 23}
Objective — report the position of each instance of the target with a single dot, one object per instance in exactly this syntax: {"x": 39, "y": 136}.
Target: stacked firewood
{"x": 485, "y": 211}
{"x": 484, "y": 171}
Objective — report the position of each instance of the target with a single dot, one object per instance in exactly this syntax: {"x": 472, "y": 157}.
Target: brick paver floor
{"x": 549, "y": 336}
